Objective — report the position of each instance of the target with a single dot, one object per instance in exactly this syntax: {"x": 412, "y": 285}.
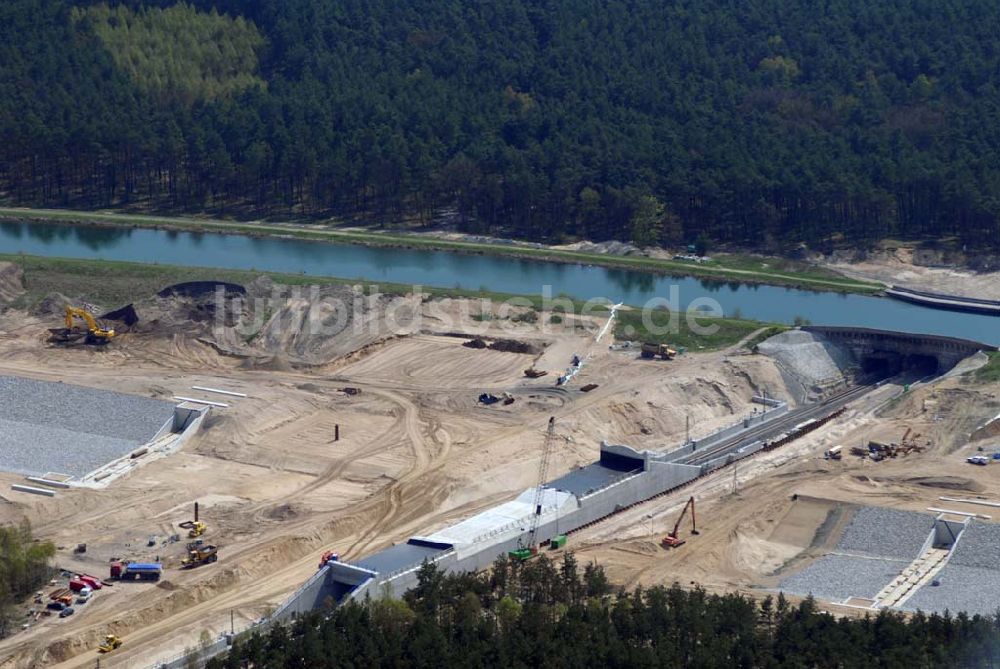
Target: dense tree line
{"x": 659, "y": 121}
{"x": 549, "y": 614}
{"x": 24, "y": 567}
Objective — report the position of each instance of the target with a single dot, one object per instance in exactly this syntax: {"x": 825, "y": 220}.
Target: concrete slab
{"x": 398, "y": 558}
{"x": 590, "y": 478}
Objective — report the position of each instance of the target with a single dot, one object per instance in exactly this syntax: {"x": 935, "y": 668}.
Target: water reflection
{"x": 495, "y": 273}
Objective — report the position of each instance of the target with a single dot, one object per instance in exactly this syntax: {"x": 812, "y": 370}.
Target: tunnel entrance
{"x": 884, "y": 364}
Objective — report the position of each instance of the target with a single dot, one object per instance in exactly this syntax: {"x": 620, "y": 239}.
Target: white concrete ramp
{"x": 917, "y": 574}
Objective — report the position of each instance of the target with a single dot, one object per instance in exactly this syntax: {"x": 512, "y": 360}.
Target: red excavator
{"x": 671, "y": 540}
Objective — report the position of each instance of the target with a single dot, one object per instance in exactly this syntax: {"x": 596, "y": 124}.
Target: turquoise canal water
{"x": 495, "y": 273}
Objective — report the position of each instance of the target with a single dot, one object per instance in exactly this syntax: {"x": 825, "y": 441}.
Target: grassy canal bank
{"x": 724, "y": 267}
{"x": 112, "y": 284}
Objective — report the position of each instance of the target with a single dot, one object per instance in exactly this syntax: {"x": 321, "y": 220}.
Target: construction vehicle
{"x": 195, "y": 527}
{"x": 91, "y": 333}
{"x": 651, "y": 350}
{"x": 834, "y": 453}
{"x": 204, "y": 554}
{"x": 526, "y": 552}
{"x": 672, "y": 540}
{"x": 111, "y": 642}
{"x": 329, "y": 556}
{"x": 533, "y": 373}
{"x": 136, "y": 571}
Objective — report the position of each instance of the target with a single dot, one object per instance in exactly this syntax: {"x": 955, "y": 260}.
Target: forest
{"x": 24, "y": 567}
{"x": 549, "y": 614}
{"x": 661, "y": 122}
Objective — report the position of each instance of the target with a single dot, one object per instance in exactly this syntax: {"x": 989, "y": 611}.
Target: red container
{"x": 77, "y": 585}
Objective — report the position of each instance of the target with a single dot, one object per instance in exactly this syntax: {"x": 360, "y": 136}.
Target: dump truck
{"x": 136, "y": 571}
{"x": 651, "y": 350}
{"x": 111, "y": 642}
{"x": 198, "y": 555}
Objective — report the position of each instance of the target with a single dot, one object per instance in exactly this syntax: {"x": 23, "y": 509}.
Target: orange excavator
{"x": 671, "y": 540}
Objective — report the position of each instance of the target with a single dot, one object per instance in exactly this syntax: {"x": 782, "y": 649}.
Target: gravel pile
{"x": 970, "y": 589}
{"x": 69, "y": 429}
{"x": 813, "y": 360}
{"x": 971, "y": 580}
{"x": 886, "y": 533}
{"x": 837, "y": 577}
{"x": 33, "y": 450}
{"x": 978, "y": 546}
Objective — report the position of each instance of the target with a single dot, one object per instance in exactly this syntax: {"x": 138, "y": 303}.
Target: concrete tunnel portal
{"x": 885, "y": 353}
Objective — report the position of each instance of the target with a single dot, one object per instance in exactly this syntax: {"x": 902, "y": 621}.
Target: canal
{"x": 494, "y": 273}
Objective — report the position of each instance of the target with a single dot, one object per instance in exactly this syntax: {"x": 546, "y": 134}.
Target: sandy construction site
{"x": 416, "y": 452}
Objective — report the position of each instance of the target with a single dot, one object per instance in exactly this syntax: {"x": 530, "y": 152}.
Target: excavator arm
{"x": 93, "y": 329}
{"x": 671, "y": 540}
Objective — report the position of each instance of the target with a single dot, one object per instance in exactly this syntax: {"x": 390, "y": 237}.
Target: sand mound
{"x": 11, "y": 282}
{"x": 277, "y": 327}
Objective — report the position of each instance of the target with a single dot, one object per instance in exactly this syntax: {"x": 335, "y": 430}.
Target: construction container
{"x": 94, "y": 583}
{"x": 76, "y": 585}
{"x": 558, "y": 541}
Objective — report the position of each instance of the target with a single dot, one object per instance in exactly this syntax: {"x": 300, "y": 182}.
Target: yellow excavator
{"x": 94, "y": 333}
{"x": 111, "y": 642}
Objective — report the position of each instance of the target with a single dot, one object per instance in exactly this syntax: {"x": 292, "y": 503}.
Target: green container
{"x": 558, "y": 541}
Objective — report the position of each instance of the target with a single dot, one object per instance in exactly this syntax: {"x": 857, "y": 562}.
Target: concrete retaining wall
{"x": 659, "y": 478}
{"x": 341, "y": 581}
{"x": 750, "y": 421}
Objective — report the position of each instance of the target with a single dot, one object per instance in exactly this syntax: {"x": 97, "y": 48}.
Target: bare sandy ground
{"x": 416, "y": 452}
{"x": 903, "y": 266}
{"x": 752, "y": 527}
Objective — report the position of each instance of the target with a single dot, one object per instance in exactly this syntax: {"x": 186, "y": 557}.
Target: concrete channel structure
{"x": 940, "y": 301}
{"x": 622, "y": 477}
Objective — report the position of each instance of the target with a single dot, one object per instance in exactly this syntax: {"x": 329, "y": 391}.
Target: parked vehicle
{"x": 67, "y": 612}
